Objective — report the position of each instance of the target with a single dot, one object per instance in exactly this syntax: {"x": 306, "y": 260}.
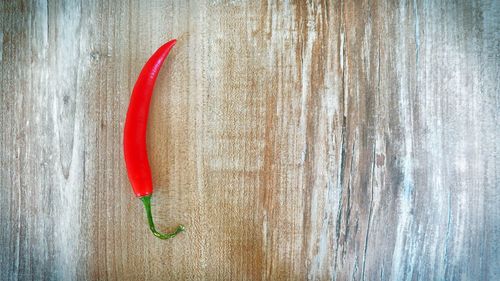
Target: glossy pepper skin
{"x": 134, "y": 136}
{"x": 134, "y": 140}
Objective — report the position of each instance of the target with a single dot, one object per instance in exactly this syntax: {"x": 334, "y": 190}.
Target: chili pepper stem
{"x": 146, "y": 200}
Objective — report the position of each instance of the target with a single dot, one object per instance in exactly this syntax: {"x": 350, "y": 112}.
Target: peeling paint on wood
{"x": 296, "y": 140}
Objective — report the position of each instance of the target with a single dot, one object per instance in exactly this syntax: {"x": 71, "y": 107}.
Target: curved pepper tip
{"x": 171, "y": 42}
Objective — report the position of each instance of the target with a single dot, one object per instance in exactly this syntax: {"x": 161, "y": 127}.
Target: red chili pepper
{"x": 134, "y": 139}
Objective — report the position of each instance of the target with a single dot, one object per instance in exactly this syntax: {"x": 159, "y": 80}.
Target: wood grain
{"x": 296, "y": 140}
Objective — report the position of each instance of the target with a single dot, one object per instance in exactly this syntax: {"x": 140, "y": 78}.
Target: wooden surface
{"x": 307, "y": 140}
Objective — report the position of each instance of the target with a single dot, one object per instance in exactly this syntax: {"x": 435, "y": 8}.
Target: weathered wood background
{"x": 306, "y": 140}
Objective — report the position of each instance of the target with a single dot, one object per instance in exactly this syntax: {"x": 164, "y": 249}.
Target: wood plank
{"x": 296, "y": 140}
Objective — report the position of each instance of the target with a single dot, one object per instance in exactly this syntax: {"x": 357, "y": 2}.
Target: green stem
{"x": 147, "y": 205}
